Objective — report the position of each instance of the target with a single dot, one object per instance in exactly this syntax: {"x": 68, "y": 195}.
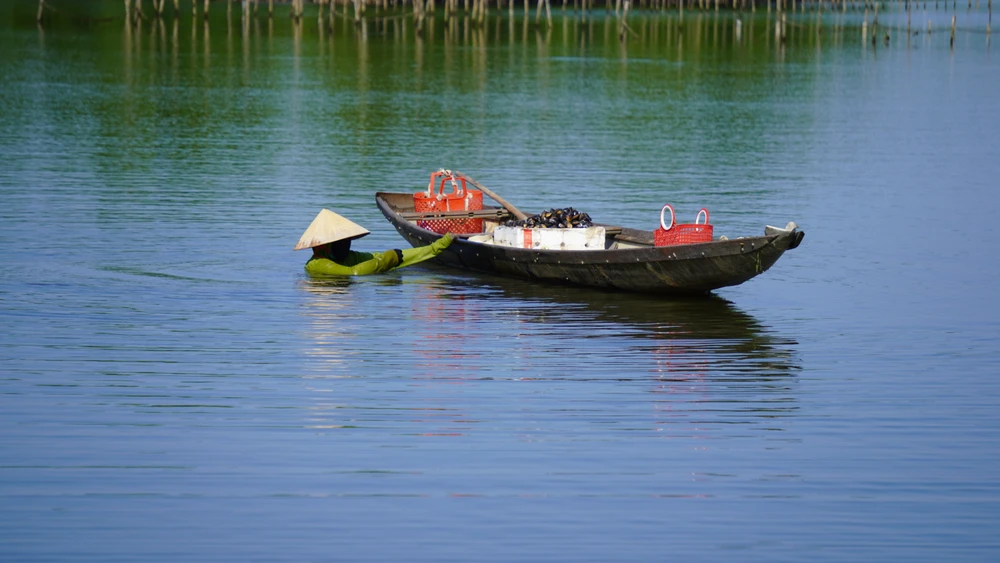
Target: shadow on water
{"x": 702, "y": 326}
{"x": 692, "y": 361}
{"x": 450, "y": 342}
{"x": 707, "y": 331}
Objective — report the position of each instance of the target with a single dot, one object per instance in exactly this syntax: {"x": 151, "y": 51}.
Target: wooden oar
{"x": 515, "y": 211}
{"x": 490, "y": 213}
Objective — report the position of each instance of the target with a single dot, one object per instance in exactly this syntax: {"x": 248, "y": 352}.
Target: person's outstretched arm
{"x": 419, "y": 254}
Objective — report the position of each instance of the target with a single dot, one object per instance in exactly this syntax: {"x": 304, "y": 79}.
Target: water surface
{"x": 174, "y": 388}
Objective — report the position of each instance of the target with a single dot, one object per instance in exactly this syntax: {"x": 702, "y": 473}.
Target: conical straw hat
{"x": 329, "y": 227}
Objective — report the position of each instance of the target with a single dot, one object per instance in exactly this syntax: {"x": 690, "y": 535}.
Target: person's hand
{"x": 442, "y": 243}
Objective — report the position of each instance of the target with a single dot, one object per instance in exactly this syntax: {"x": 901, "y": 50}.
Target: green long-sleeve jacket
{"x": 364, "y": 263}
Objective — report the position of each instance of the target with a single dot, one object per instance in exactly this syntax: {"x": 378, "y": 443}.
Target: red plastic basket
{"x": 460, "y": 199}
{"x": 688, "y": 233}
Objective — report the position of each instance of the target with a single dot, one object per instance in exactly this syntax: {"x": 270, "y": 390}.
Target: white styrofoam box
{"x": 590, "y": 238}
{"x": 485, "y": 239}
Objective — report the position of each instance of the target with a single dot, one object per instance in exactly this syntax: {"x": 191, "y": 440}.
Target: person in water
{"x": 330, "y": 236}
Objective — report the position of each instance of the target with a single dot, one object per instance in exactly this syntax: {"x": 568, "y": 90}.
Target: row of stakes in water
{"x": 566, "y": 218}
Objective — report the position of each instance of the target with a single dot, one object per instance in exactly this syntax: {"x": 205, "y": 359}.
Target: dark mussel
{"x": 565, "y": 218}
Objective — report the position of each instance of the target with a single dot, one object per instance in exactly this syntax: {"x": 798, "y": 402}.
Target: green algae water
{"x": 173, "y": 387}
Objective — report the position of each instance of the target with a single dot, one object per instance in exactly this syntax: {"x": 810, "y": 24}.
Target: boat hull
{"x": 671, "y": 270}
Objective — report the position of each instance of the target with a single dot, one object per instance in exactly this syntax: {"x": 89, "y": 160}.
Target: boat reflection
{"x": 696, "y": 326}
{"x": 704, "y": 333}
{"x": 696, "y": 367}
{"x": 437, "y": 339}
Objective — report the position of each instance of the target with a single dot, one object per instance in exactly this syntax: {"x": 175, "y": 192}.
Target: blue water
{"x": 173, "y": 387}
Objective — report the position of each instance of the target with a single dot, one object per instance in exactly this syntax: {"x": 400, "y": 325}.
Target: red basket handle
{"x": 445, "y": 176}
{"x": 702, "y": 210}
{"x": 673, "y": 220}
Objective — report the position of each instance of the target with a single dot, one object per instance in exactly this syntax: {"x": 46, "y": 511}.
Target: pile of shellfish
{"x": 565, "y": 218}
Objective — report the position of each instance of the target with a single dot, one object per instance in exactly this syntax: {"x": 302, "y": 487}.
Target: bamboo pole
{"x": 206, "y": 10}
{"x": 41, "y": 8}
{"x": 623, "y": 27}
{"x": 418, "y": 16}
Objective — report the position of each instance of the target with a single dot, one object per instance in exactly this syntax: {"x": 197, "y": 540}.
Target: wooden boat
{"x": 629, "y": 261}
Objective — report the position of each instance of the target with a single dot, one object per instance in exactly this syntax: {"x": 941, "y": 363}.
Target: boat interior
{"x": 479, "y": 225}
